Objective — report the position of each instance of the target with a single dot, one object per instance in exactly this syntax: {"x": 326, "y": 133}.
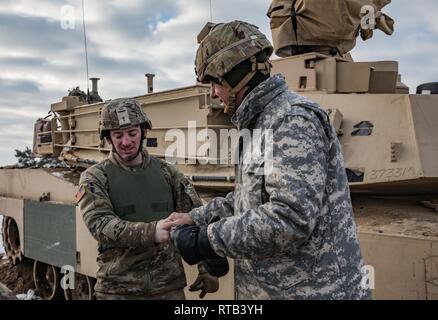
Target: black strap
{"x": 293, "y": 15}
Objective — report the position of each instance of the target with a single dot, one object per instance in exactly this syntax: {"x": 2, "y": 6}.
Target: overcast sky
{"x": 41, "y": 57}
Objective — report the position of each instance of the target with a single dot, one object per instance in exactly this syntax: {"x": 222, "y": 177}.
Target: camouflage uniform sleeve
{"x": 220, "y": 206}
{"x": 184, "y": 194}
{"x": 104, "y": 225}
{"x": 295, "y": 189}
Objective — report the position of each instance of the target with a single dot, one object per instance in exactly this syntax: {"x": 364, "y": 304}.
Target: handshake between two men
{"x": 192, "y": 243}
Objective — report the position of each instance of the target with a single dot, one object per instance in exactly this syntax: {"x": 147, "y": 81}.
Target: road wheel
{"x": 83, "y": 288}
{"x": 11, "y": 240}
{"x": 46, "y": 279}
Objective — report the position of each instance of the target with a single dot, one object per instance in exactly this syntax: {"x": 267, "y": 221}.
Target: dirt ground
{"x": 17, "y": 278}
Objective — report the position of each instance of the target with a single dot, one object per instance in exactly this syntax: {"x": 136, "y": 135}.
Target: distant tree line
{"x": 25, "y": 159}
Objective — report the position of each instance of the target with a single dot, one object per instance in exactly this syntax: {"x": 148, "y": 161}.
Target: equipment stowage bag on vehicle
{"x": 300, "y": 26}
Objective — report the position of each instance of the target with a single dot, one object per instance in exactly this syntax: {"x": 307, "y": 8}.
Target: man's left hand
{"x": 178, "y": 218}
{"x": 206, "y": 283}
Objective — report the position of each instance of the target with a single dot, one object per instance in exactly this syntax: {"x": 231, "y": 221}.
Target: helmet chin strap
{"x": 264, "y": 67}
{"x": 231, "y": 107}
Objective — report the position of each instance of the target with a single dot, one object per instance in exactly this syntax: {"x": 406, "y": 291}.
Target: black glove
{"x": 217, "y": 267}
{"x": 192, "y": 243}
{"x": 206, "y": 283}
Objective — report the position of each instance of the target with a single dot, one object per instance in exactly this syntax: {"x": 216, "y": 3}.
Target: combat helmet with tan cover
{"x": 121, "y": 114}
{"x": 232, "y": 54}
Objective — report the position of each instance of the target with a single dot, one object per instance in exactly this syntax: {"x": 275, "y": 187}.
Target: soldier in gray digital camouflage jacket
{"x": 124, "y": 200}
{"x": 289, "y": 223}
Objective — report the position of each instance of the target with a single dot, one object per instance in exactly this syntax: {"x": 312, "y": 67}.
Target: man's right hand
{"x": 180, "y": 218}
{"x": 162, "y": 230}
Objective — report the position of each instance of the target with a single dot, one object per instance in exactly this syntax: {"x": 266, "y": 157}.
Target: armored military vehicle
{"x": 389, "y": 139}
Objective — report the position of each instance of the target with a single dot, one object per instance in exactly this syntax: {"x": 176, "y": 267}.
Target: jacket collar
{"x": 257, "y": 99}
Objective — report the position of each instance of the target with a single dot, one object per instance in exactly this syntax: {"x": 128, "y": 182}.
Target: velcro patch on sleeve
{"x": 81, "y": 193}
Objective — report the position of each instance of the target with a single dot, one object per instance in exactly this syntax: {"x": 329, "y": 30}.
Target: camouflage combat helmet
{"x": 122, "y": 113}
{"x": 224, "y": 46}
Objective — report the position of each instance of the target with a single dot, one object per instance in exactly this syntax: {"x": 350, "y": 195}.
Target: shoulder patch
{"x": 81, "y": 193}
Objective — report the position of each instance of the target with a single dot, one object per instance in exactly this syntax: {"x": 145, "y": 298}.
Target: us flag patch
{"x": 80, "y": 194}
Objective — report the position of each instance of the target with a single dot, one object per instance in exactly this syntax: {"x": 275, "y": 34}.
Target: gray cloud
{"x": 24, "y": 62}
{"x": 32, "y": 33}
{"x": 7, "y": 86}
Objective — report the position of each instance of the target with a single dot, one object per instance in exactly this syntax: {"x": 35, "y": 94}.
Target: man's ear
{"x": 108, "y": 139}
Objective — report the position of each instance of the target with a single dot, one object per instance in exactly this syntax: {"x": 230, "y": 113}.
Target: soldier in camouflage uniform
{"x": 290, "y": 228}
{"x": 124, "y": 200}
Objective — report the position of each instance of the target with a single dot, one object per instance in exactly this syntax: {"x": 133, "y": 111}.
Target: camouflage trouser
{"x": 171, "y": 295}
